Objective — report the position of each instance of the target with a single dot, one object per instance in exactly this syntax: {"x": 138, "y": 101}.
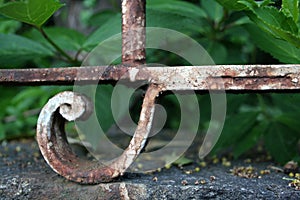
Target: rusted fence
{"x": 68, "y": 106}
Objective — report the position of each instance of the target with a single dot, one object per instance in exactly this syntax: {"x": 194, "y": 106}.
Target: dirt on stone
{"x": 25, "y": 175}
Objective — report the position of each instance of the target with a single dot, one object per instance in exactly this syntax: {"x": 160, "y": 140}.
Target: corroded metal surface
{"x": 133, "y": 31}
{"x": 52, "y": 141}
{"x": 67, "y": 76}
{"x": 51, "y": 137}
{"x": 69, "y": 106}
{"x": 228, "y": 77}
{"x": 233, "y": 77}
{"x": 142, "y": 131}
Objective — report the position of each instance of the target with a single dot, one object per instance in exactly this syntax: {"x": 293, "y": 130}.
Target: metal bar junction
{"x": 234, "y": 77}
{"x": 69, "y": 106}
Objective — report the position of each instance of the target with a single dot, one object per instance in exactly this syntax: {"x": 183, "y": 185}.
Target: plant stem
{"x": 263, "y": 107}
{"x": 77, "y": 54}
{"x": 69, "y": 58}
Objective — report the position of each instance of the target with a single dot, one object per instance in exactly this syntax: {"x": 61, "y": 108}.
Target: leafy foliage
{"x": 34, "y": 12}
{"x": 291, "y": 9}
{"x": 279, "y": 27}
{"x": 108, "y": 29}
{"x": 66, "y": 39}
{"x": 16, "y": 50}
{"x": 8, "y": 25}
{"x": 263, "y": 118}
{"x": 278, "y": 48}
{"x": 20, "y": 108}
{"x": 273, "y": 117}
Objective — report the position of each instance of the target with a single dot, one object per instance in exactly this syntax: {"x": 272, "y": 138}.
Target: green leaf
{"x": 103, "y": 111}
{"x": 287, "y": 102}
{"x": 9, "y": 94}
{"x": 240, "y": 21}
{"x": 107, "y": 30}
{"x": 34, "y": 12}
{"x": 177, "y": 7}
{"x": 280, "y": 49}
{"x": 101, "y": 17}
{"x": 186, "y": 17}
{"x": 8, "y": 25}
{"x": 213, "y": 10}
{"x": 255, "y": 4}
{"x": 216, "y": 50}
{"x": 235, "y": 101}
{"x": 272, "y": 17}
{"x": 250, "y": 139}
{"x": 237, "y": 5}
{"x": 291, "y": 9}
{"x": 263, "y": 3}
{"x": 281, "y": 142}
{"x": 186, "y": 21}
{"x": 274, "y": 22}
{"x": 290, "y": 120}
{"x": 232, "y": 4}
{"x": 235, "y": 128}
{"x": 15, "y": 50}
{"x": 182, "y": 161}
{"x": 235, "y": 37}
{"x": 66, "y": 39}
{"x": 161, "y": 18}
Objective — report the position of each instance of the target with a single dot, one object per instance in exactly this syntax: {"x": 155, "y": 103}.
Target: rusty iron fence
{"x": 68, "y": 106}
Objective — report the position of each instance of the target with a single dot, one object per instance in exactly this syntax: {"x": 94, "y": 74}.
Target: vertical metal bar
{"x": 70, "y": 106}
{"x": 133, "y": 32}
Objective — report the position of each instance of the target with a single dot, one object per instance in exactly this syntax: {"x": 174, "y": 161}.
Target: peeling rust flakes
{"x": 50, "y": 128}
{"x": 114, "y": 72}
{"x": 274, "y": 83}
{"x": 229, "y": 72}
{"x": 55, "y": 148}
{"x": 123, "y": 192}
{"x": 257, "y": 71}
{"x": 179, "y": 78}
{"x": 133, "y": 32}
{"x": 59, "y": 156}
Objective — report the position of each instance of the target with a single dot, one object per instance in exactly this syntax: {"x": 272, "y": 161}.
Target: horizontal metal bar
{"x": 215, "y": 77}
{"x": 60, "y": 76}
{"x": 229, "y": 77}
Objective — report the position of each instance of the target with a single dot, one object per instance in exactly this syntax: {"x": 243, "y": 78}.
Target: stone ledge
{"x": 25, "y": 175}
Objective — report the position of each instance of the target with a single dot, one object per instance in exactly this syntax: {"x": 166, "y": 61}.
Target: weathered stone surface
{"x": 25, "y": 175}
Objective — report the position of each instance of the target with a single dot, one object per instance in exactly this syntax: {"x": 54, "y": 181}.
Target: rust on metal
{"x": 59, "y": 76}
{"x": 228, "y": 77}
{"x": 142, "y": 131}
{"x": 234, "y": 77}
{"x": 133, "y": 32}
{"x": 71, "y": 106}
{"x": 51, "y": 137}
